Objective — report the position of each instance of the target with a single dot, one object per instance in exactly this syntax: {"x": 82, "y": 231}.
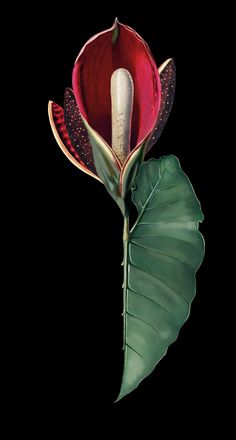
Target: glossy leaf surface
{"x": 163, "y": 253}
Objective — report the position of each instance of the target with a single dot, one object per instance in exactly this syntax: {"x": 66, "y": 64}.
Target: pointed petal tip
{"x": 116, "y": 22}
{"x": 50, "y": 103}
{"x": 115, "y": 33}
{"x": 163, "y": 65}
{"x": 68, "y": 90}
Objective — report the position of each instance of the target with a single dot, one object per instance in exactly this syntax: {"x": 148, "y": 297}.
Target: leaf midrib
{"x": 148, "y": 198}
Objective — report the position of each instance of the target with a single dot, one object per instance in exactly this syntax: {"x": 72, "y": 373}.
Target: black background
{"x": 70, "y": 352}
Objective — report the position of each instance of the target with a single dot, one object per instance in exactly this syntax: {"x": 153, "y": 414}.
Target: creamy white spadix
{"x": 122, "y": 96}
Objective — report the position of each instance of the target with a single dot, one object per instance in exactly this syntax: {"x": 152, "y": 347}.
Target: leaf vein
{"x": 144, "y": 321}
{"x": 156, "y": 251}
{"x": 159, "y": 279}
{"x": 149, "y": 299}
{"x": 132, "y": 348}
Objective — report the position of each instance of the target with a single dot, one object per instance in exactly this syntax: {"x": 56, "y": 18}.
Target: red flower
{"x": 83, "y": 128}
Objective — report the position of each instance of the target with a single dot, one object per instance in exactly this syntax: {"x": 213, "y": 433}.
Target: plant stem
{"x": 125, "y": 280}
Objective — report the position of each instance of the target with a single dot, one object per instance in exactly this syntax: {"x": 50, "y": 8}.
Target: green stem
{"x": 125, "y": 265}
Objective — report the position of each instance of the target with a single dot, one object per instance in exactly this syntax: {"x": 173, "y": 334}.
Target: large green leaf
{"x": 161, "y": 256}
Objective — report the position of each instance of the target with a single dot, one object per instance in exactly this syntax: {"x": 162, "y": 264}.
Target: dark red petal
{"x": 92, "y": 74}
{"x": 77, "y": 131}
{"x": 167, "y": 77}
{"x": 59, "y": 120}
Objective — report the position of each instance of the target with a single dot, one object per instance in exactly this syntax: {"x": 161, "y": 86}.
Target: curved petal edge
{"x": 63, "y": 139}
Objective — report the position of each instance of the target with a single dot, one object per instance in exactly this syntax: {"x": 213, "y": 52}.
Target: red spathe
{"x": 92, "y": 75}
